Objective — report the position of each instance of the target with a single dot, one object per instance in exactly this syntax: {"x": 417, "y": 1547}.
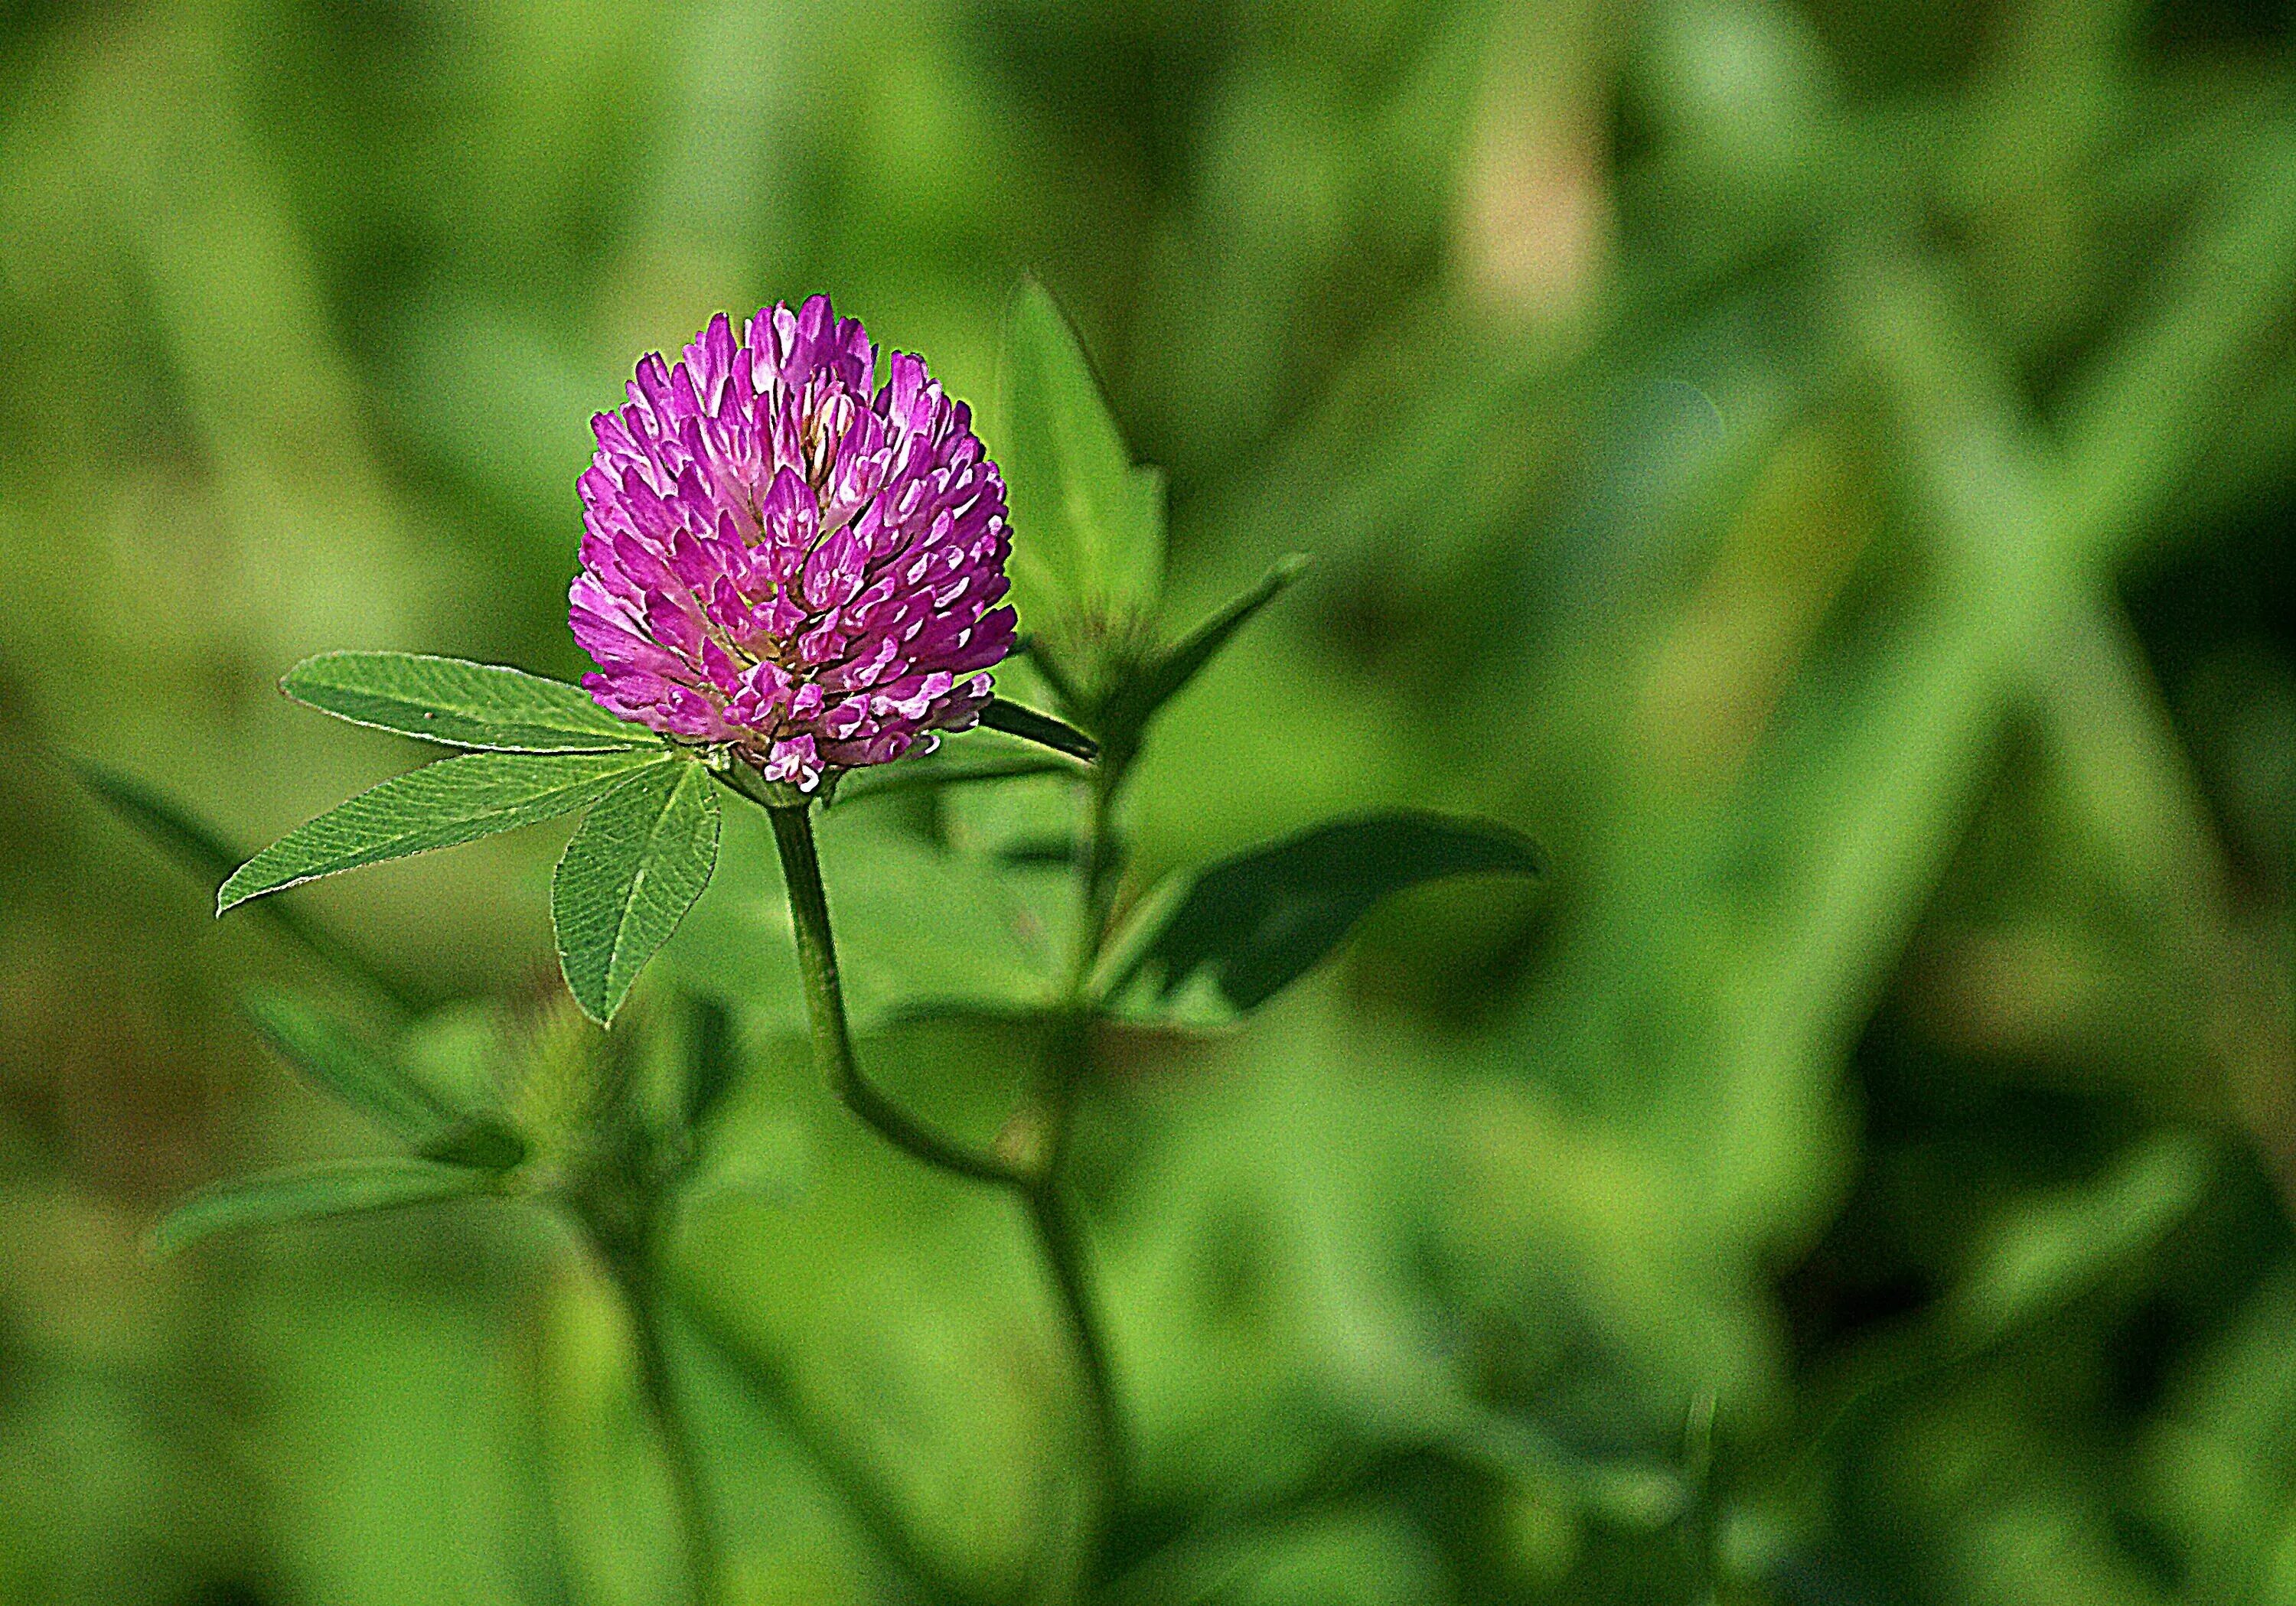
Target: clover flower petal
{"x": 784, "y": 558}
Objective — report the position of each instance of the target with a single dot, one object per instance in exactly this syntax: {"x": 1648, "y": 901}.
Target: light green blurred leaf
{"x": 1252, "y": 924}
{"x": 340, "y": 1064}
{"x": 628, "y": 877}
{"x": 2041, "y": 1255}
{"x": 454, "y": 801}
{"x": 1356, "y": 1555}
{"x": 1087, "y": 525}
{"x": 915, "y": 923}
{"x": 458, "y": 703}
{"x": 340, "y": 1188}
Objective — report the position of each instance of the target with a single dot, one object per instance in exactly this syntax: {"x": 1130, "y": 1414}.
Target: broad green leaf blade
{"x": 458, "y": 703}
{"x": 308, "y": 1193}
{"x": 1087, "y": 525}
{"x": 1043, "y": 729}
{"x": 1250, "y": 926}
{"x": 340, "y": 1064}
{"x": 627, "y": 877}
{"x": 454, "y": 800}
{"x": 1169, "y": 673}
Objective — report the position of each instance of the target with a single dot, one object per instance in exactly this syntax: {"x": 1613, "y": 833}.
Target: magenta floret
{"x": 781, "y": 558}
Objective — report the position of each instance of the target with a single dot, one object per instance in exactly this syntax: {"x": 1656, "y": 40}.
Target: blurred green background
{"x": 1828, "y": 471}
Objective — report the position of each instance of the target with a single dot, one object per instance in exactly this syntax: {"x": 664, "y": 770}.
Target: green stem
{"x": 1055, "y": 1224}
{"x": 833, "y": 1038}
{"x": 705, "y": 1570}
{"x": 1095, "y": 873}
{"x": 1050, "y": 1214}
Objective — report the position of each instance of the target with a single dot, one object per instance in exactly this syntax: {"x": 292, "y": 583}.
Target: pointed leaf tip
{"x": 454, "y": 800}
{"x": 632, "y": 869}
{"x": 1087, "y": 523}
{"x": 1016, "y": 720}
{"x": 1169, "y": 673}
{"x": 340, "y": 1064}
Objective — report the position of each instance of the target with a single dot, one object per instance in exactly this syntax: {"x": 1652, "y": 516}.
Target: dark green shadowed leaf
{"x": 484, "y": 1141}
{"x": 893, "y": 780}
{"x": 439, "y": 806}
{"x": 712, "y": 1059}
{"x": 1042, "y": 729}
{"x": 1088, "y": 526}
{"x": 460, "y": 703}
{"x": 341, "y": 1064}
{"x": 1250, "y": 926}
{"x": 1169, "y": 673}
{"x": 191, "y": 842}
{"x": 307, "y": 1192}
{"x": 627, "y": 877}
{"x": 210, "y": 856}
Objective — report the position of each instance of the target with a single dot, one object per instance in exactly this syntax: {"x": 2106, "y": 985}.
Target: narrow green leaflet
{"x": 2041, "y": 1254}
{"x": 930, "y": 775}
{"x": 454, "y": 800}
{"x": 1014, "y": 720}
{"x": 1248, "y": 927}
{"x": 341, "y": 1064}
{"x": 627, "y": 877}
{"x": 1169, "y": 673}
{"x": 307, "y": 1192}
{"x": 459, "y": 704}
{"x": 1088, "y": 526}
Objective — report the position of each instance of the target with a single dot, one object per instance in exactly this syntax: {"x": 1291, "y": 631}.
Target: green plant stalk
{"x": 1096, "y": 866}
{"x": 1054, "y": 1223}
{"x": 1050, "y": 1212}
{"x": 646, "y": 1301}
{"x": 1038, "y": 1186}
{"x": 832, "y": 1036}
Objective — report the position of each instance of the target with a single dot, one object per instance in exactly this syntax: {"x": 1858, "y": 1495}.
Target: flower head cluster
{"x": 781, "y": 557}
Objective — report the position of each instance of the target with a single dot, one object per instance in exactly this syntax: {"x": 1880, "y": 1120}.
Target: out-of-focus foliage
{"x": 1826, "y": 471}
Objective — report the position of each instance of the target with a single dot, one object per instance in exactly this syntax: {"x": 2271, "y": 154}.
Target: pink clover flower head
{"x": 785, "y": 558}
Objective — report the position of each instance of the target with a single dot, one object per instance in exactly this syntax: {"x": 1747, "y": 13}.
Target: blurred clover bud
{"x": 560, "y": 1075}
{"x": 1088, "y": 568}
{"x": 787, "y": 562}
